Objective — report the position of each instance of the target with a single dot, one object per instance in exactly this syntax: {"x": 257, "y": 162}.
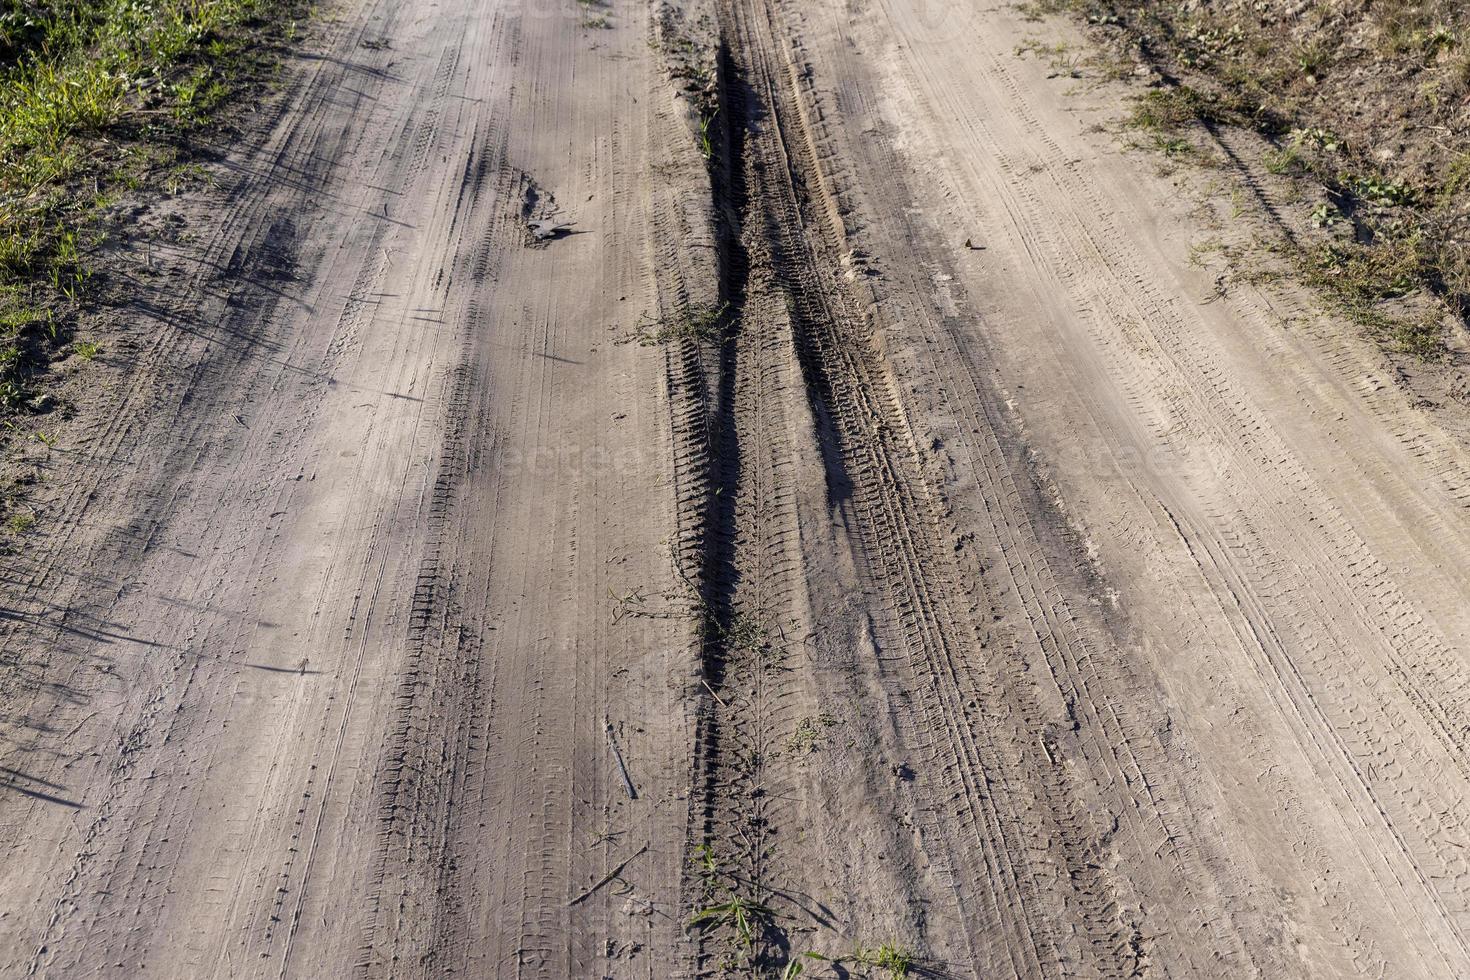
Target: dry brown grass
{"x": 1369, "y": 98}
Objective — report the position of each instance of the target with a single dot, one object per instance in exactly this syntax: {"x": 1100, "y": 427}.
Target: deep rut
{"x": 996, "y": 790}
{"x": 748, "y": 558}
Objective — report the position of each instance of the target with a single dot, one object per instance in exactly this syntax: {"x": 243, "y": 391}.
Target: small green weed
{"x": 1059, "y": 57}
{"x": 1378, "y": 190}
{"x": 1312, "y": 59}
{"x": 13, "y": 394}
{"x": 1173, "y": 146}
{"x": 743, "y": 917}
{"x": 1315, "y": 138}
{"x": 1282, "y": 160}
{"x": 701, "y": 325}
{"x": 197, "y": 95}
{"x": 808, "y": 735}
{"x": 706, "y": 137}
{"x": 796, "y": 966}
{"x": 897, "y": 960}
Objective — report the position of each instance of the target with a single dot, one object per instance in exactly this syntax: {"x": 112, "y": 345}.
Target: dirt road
{"x": 417, "y": 599}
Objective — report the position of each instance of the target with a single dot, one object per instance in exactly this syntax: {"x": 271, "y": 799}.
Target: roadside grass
{"x": 1058, "y": 57}
{"x": 80, "y": 84}
{"x": 592, "y": 17}
{"x": 1364, "y": 103}
{"x": 1165, "y": 110}
{"x": 96, "y": 98}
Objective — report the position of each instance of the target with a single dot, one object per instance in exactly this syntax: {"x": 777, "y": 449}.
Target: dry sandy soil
{"x": 1030, "y": 607}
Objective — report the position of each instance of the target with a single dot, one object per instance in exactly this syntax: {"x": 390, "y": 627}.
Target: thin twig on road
{"x": 607, "y": 877}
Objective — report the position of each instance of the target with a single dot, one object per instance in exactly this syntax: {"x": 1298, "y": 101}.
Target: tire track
{"x": 793, "y": 233}
{"x": 1303, "y": 548}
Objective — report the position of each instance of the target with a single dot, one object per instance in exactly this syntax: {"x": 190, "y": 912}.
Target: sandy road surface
{"x": 325, "y": 635}
{"x": 1030, "y": 607}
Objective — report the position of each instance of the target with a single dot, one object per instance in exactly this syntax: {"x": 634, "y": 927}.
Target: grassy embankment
{"x": 96, "y": 99}
{"x": 1367, "y": 103}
